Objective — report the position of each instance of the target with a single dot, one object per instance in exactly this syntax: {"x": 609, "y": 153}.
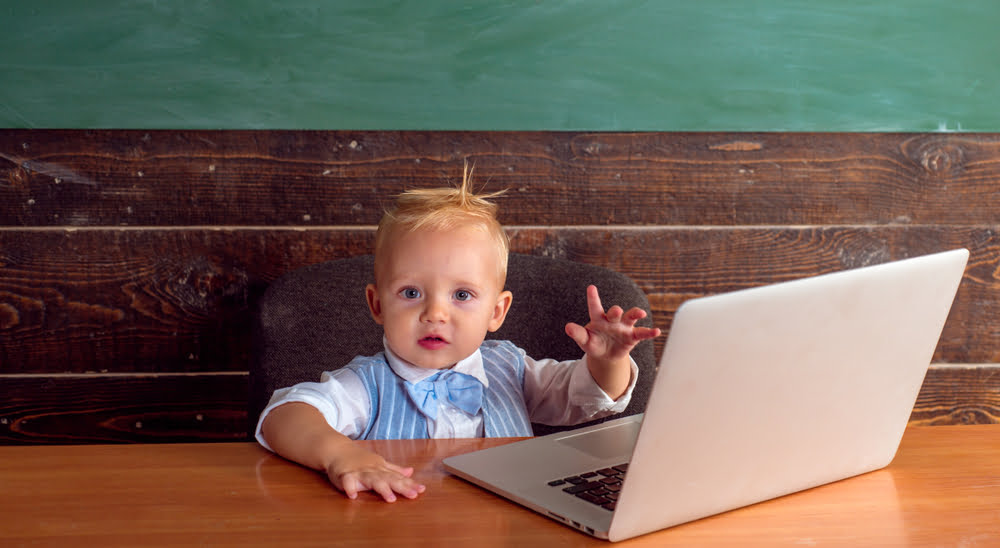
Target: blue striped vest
{"x": 394, "y": 416}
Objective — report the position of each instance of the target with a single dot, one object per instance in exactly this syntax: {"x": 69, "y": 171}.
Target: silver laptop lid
{"x": 775, "y": 389}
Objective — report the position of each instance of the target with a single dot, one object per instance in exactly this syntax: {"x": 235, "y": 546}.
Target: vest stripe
{"x": 504, "y": 379}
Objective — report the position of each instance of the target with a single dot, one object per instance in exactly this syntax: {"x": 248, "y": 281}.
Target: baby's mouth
{"x": 432, "y": 342}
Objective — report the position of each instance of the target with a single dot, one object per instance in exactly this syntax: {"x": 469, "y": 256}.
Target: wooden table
{"x": 943, "y": 489}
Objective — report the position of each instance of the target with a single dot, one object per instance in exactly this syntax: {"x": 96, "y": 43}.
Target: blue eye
{"x": 462, "y": 295}
{"x": 410, "y": 293}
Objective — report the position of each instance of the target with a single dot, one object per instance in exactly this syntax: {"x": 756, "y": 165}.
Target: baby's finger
{"x": 594, "y": 306}
{"x": 578, "y": 333}
{"x": 634, "y": 315}
{"x": 406, "y": 471}
{"x": 614, "y": 314}
{"x": 384, "y": 488}
{"x": 389, "y": 486}
{"x": 643, "y": 333}
{"x": 350, "y": 485}
{"x": 409, "y": 488}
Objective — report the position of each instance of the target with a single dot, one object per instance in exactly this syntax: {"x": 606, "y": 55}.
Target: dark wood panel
{"x": 313, "y": 178}
{"x": 959, "y": 395}
{"x": 122, "y": 408}
{"x": 66, "y": 409}
{"x": 143, "y": 300}
{"x": 174, "y": 300}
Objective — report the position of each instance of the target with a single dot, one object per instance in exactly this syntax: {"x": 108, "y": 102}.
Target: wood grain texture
{"x": 311, "y": 178}
{"x": 95, "y": 408}
{"x": 959, "y": 394}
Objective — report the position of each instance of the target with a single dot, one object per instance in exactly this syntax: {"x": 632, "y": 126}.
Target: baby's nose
{"x": 435, "y": 311}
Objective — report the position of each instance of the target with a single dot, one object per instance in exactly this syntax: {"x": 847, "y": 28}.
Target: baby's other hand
{"x": 611, "y": 335}
{"x": 356, "y": 469}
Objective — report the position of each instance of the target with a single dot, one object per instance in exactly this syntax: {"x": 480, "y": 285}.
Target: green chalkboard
{"x": 789, "y": 65}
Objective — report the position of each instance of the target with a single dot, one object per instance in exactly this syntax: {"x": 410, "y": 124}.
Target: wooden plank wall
{"x": 130, "y": 260}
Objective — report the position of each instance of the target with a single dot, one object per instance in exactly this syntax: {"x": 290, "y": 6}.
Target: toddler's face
{"x": 437, "y": 294}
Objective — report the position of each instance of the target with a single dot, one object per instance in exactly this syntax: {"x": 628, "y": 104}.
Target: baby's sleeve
{"x": 564, "y": 393}
{"x": 339, "y": 396}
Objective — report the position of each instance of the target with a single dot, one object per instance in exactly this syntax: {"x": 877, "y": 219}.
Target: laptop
{"x": 759, "y": 393}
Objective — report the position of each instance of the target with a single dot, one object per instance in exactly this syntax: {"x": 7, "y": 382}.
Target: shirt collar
{"x": 473, "y": 366}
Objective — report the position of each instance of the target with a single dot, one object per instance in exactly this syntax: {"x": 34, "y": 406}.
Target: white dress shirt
{"x": 556, "y": 393}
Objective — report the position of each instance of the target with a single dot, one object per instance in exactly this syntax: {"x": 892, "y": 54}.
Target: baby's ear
{"x": 374, "y": 304}
{"x": 500, "y": 310}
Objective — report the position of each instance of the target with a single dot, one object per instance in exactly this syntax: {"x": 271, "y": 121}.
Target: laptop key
{"x": 582, "y": 487}
{"x": 593, "y": 499}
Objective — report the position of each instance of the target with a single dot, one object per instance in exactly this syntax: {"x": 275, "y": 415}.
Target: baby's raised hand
{"x": 356, "y": 469}
{"x": 610, "y": 335}
{"x": 607, "y": 340}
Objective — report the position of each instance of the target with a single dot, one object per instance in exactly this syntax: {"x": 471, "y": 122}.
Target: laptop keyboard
{"x": 599, "y": 487}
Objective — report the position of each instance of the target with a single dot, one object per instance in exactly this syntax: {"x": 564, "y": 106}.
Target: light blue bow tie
{"x": 463, "y": 391}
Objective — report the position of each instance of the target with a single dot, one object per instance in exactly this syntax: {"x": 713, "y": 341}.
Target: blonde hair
{"x": 444, "y": 209}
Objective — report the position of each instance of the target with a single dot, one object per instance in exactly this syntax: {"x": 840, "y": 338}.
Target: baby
{"x": 440, "y": 270}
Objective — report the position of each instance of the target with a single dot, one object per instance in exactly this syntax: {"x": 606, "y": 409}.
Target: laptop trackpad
{"x": 612, "y": 441}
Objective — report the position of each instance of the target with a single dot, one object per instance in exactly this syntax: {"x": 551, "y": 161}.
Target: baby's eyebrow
{"x": 469, "y": 286}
